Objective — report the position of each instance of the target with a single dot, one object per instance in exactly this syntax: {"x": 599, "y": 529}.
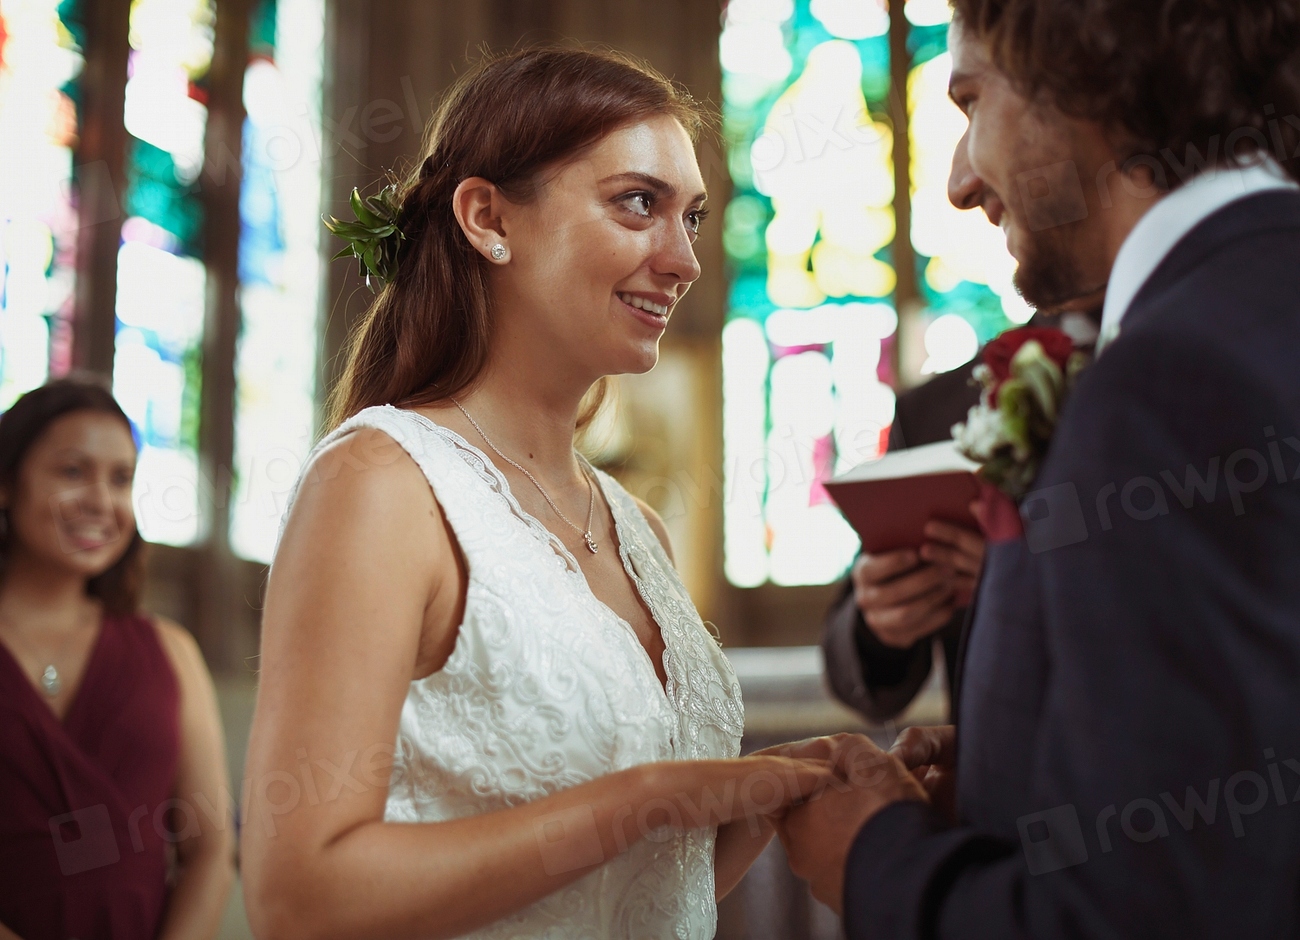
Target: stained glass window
{"x": 808, "y": 377}
{"x": 279, "y": 268}
{"x": 39, "y": 65}
{"x": 964, "y": 266}
{"x": 161, "y": 281}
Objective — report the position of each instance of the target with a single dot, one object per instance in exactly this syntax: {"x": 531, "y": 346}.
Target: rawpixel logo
{"x": 1052, "y": 840}
{"x": 84, "y": 840}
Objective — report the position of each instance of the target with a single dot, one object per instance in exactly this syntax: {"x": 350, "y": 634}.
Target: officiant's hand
{"x": 906, "y": 595}
{"x": 818, "y": 834}
{"x": 931, "y": 755}
{"x": 959, "y": 552}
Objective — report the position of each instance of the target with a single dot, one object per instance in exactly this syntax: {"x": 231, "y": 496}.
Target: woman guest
{"x": 457, "y": 587}
{"x": 114, "y": 821}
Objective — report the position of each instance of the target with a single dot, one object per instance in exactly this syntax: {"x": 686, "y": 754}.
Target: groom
{"x": 1127, "y": 759}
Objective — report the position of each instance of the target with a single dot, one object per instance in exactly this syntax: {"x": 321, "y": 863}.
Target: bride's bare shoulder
{"x": 365, "y": 487}
{"x": 359, "y": 457}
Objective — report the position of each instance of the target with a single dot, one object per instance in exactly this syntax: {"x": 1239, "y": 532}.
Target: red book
{"x": 889, "y": 501}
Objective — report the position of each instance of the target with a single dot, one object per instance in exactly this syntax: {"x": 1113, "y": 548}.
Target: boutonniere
{"x": 1027, "y": 375}
{"x": 374, "y": 238}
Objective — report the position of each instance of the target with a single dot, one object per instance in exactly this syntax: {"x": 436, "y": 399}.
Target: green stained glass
{"x": 261, "y": 28}
{"x": 154, "y": 193}
{"x": 807, "y": 236}
{"x": 161, "y": 281}
{"x": 963, "y": 266}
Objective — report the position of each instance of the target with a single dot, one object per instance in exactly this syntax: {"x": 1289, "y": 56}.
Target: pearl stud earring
{"x": 498, "y": 252}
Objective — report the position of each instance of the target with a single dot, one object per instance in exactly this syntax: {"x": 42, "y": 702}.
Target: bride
{"x": 453, "y": 577}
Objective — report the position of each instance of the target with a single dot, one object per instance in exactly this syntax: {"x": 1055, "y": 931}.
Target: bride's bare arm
{"x": 366, "y": 593}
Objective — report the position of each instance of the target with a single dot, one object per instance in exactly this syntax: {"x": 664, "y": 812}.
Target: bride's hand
{"x": 836, "y": 750}
{"x": 767, "y": 787}
{"x": 716, "y": 792}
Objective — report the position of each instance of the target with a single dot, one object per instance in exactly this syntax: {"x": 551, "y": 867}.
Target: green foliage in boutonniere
{"x": 374, "y": 238}
{"x": 1027, "y": 375}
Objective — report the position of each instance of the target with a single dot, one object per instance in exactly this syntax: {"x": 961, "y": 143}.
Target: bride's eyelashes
{"x": 641, "y": 205}
{"x": 695, "y": 218}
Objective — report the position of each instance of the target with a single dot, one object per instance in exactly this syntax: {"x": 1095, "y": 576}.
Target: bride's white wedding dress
{"x": 548, "y": 688}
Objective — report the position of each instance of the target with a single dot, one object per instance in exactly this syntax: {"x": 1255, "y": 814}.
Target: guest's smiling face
{"x": 1033, "y": 171}
{"x": 600, "y": 258}
{"x": 70, "y": 506}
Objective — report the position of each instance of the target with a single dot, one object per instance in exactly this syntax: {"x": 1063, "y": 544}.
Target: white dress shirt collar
{"x": 1171, "y": 218}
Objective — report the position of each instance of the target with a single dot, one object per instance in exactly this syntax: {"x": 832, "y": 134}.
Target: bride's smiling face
{"x": 599, "y": 259}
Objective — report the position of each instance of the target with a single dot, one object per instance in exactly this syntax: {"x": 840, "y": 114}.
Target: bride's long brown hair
{"x": 426, "y": 336}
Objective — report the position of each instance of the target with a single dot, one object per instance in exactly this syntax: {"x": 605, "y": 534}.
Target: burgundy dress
{"x": 86, "y": 806}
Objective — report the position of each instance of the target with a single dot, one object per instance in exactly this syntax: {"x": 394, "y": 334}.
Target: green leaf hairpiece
{"x": 374, "y": 238}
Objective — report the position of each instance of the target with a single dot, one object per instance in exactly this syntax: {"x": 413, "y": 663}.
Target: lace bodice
{"x": 547, "y": 688}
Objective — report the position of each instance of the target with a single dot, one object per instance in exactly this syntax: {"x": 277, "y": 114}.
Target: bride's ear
{"x": 476, "y": 204}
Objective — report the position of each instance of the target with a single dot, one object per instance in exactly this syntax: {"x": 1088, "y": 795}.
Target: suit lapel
{"x": 1275, "y": 210}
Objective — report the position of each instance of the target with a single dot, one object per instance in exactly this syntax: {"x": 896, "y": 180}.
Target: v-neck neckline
{"x": 92, "y": 658}
{"x": 556, "y": 546}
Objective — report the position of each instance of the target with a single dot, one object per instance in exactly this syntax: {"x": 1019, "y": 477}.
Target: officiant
{"x": 880, "y": 636}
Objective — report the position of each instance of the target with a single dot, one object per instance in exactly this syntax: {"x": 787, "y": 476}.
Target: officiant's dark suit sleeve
{"x": 880, "y": 681}
{"x": 1128, "y": 742}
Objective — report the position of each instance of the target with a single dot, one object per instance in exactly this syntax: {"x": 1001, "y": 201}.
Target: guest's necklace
{"x": 591, "y": 486}
{"x": 50, "y": 680}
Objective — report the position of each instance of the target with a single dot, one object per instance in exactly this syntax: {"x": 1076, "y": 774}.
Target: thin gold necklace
{"x": 591, "y": 486}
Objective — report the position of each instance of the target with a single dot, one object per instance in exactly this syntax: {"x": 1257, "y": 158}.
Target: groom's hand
{"x": 817, "y": 835}
{"x": 931, "y": 755}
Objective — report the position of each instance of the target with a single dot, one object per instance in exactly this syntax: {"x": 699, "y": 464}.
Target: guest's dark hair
{"x": 118, "y": 588}
{"x": 1178, "y": 83}
{"x": 426, "y": 336}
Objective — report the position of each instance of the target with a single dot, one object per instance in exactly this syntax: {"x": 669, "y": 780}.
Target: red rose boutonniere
{"x": 1027, "y": 375}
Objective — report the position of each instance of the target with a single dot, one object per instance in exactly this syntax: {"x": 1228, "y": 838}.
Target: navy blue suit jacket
{"x": 1129, "y": 705}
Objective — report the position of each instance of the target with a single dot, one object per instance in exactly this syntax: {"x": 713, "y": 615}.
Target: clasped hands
{"x": 818, "y": 832}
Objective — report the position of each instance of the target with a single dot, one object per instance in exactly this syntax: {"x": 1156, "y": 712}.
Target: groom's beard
{"x": 1052, "y": 270}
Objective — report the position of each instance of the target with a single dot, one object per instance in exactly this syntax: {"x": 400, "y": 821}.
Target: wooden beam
{"x": 100, "y": 180}
{"x": 219, "y": 190}
{"x": 907, "y": 293}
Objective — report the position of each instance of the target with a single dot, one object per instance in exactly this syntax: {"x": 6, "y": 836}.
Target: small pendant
{"x": 50, "y": 681}
{"x": 591, "y": 543}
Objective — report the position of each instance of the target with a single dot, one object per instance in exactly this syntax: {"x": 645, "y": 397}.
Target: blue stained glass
{"x": 261, "y": 240}
{"x": 280, "y": 269}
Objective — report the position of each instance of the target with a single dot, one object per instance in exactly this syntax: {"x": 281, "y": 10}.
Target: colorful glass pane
{"x": 808, "y": 236}
{"x": 161, "y": 283}
{"x": 279, "y": 268}
{"x": 964, "y": 266}
{"x": 39, "y": 64}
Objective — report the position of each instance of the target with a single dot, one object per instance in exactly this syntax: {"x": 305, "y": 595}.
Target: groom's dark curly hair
{"x": 1179, "y": 83}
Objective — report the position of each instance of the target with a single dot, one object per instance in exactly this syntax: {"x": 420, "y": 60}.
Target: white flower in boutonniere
{"x": 1027, "y": 375}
